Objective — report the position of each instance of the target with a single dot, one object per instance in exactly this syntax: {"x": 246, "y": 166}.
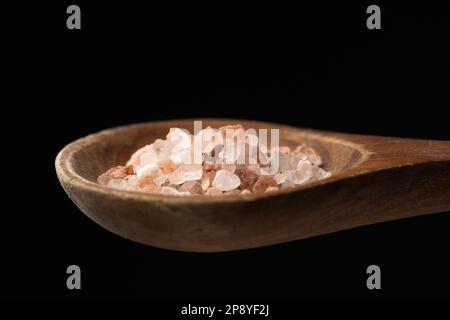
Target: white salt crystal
{"x": 290, "y": 162}
{"x": 184, "y": 156}
{"x": 142, "y": 170}
{"x": 179, "y": 137}
{"x": 304, "y": 165}
{"x": 309, "y": 154}
{"x": 297, "y": 177}
{"x": 191, "y": 171}
{"x": 158, "y": 145}
{"x": 135, "y": 157}
{"x": 226, "y": 181}
{"x": 149, "y": 158}
{"x": 303, "y": 173}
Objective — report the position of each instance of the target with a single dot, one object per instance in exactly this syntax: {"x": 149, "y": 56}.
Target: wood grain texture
{"x": 374, "y": 179}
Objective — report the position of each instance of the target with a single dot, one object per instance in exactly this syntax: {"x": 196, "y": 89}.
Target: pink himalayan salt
{"x": 158, "y": 177}
{"x": 209, "y": 166}
{"x": 207, "y": 179}
{"x": 213, "y": 192}
{"x": 263, "y": 183}
{"x": 150, "y": 188}
{"x": 247, "y": 177}
{"x": 271, "y": 189}
{"x": 166, "y": 165}
{"x": 118, "y": 172}
{"x": 144, "y": 181}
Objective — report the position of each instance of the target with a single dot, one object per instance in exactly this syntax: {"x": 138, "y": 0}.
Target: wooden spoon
{"x": 374, "y": 179}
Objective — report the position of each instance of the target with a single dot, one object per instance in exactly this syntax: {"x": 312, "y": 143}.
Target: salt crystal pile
{"x": 225, "y": 161}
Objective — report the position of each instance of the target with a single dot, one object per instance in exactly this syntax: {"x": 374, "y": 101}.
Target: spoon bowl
{"x": 374, "y": 179}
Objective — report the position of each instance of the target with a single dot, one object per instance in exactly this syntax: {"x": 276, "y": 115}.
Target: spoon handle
{"x": 396, "y": 178}
{"x": 403, "y": 177}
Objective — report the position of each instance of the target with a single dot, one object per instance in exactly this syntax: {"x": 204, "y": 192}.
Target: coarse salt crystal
{"x": 263, "y": 183}
{"x": 191, "y": 171}
{"x": 225, "y": 180}
{"x": 213, "y": 192}
{"x": 193, "y": 187}
{"x": 173, "y": 191}
{"x": 179, "y": 137}
{"x": 279, "y": 178}
{"x": 271, "y": 189}
{"x": 231, "y": 161}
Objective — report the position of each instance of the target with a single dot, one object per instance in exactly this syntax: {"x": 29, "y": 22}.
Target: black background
{"x": 310, "y": 65}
